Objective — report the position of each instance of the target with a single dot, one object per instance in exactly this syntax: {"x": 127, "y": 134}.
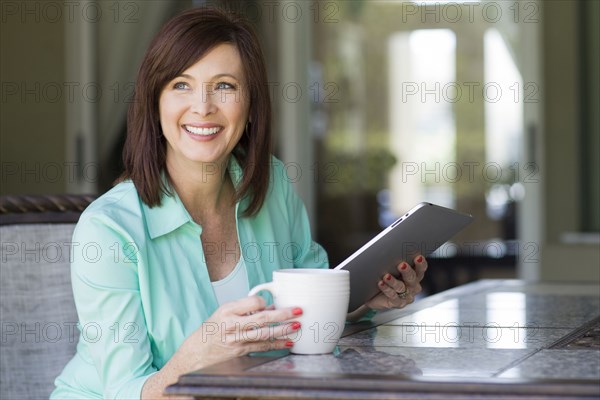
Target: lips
{"x": 202, "y": 131}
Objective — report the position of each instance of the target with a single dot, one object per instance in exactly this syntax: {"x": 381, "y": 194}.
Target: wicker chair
{"x": 37, "y": 312}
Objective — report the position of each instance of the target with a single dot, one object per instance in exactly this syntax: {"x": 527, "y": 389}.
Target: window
{"x": 426, "y": 104}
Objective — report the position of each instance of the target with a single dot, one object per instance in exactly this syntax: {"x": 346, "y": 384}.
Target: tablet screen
{"x": 420, "y": 231}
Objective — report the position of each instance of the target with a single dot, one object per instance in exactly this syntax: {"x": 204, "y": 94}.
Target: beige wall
{"x": 592, "y": 117}
{"x": 32, "y": 120}
{"x": 67, "y": 72}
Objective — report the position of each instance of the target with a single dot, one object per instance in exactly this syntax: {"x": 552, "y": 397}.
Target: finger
{"x": 246, "y": 305}
{"x": 273, "y": 332}
{"x": 396, "y": 285}
{"x": 287, "y": 331}
{"x": 388, "y": 291}
{"x": 420, "y": 267}
{"x": 383, "y": 302}
{"x": 253, "y": 347}
{"x": 409, "y": 276}
{"x": 269, "y": 317}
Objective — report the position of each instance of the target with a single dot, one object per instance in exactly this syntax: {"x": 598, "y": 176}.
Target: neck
{"x": 204, "y": 188}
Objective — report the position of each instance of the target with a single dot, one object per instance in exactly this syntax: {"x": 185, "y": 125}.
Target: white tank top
{"x": 234, "y": 286}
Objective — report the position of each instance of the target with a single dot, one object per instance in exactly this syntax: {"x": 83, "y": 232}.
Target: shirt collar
{"x": 171, "y": 214}
{"x": 235, "y": 171}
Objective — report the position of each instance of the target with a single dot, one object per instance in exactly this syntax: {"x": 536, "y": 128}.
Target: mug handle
{"x": 269, "y": 287}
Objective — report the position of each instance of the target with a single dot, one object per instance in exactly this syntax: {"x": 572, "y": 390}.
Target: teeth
{"x": 201, "y": 131}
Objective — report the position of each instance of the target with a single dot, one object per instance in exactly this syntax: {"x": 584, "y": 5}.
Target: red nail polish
{"x": 296, "y": 325}
{"x": 297, "y": 311}
{"x": 289, "y": 343}
{"x": 420, "y": 259}
{"x": 403, "y": 266}
{"x": 388, "y": 277}
{"x": 381, "y": 284}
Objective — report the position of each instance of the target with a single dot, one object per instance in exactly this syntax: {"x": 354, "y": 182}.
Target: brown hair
{"x": 180, "y": 43}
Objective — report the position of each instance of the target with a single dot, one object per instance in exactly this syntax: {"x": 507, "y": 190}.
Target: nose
{"x": 203, "y": 103}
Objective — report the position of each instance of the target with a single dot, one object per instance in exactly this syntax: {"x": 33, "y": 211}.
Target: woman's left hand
{"x": 398, "y": 292}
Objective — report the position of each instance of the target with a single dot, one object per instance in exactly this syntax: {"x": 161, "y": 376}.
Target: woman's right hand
{"x": 238, "y": 328}
{"x": 234, "y": 329}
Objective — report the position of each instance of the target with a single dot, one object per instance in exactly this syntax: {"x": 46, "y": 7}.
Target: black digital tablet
{"x": 420, "y": 231}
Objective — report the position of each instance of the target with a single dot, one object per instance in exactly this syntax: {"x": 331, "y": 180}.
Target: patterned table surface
{"x": 485, "y": 339}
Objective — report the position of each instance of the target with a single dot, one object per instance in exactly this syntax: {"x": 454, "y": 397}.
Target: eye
{"x": 225, "y": 86}
{"x": 180, "y": 86}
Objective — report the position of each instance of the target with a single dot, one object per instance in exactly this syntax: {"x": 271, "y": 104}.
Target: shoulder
{"x": 276, "y": 168}
{"x": 119, "y": 201}
{"x": 281, "y": 176}
{"x": 118, "y": 209}
{"x": 282, "y": 195}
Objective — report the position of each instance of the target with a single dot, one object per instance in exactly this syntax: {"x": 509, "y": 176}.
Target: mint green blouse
{"x": 141, "y": 285}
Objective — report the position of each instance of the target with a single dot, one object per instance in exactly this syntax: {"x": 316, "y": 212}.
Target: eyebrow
{"x": 214, "y": 77}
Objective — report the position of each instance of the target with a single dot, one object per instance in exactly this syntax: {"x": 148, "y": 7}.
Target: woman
{"x": 202, "y": 214}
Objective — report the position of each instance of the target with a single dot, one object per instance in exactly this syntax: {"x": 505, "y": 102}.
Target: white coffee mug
{"x": 323, "y": 296}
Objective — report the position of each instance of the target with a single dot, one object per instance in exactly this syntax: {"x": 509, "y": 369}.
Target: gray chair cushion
{"x": 37, "y": 312}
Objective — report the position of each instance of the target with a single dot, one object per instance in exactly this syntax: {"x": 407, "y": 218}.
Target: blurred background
{"x": 489, "y": 107}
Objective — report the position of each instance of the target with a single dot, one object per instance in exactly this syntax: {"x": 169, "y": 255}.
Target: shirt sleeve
{"x": 104, "y": 273}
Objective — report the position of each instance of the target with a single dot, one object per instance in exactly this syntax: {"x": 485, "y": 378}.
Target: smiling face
{"x": 203, "y": 111}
